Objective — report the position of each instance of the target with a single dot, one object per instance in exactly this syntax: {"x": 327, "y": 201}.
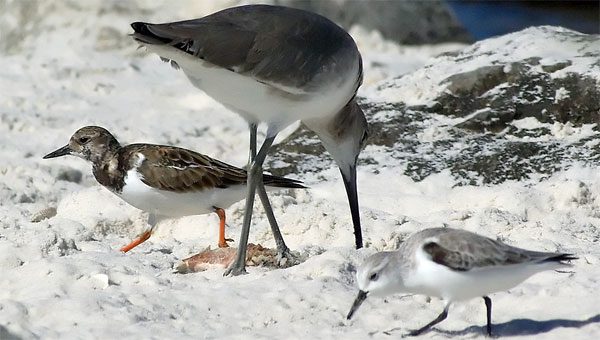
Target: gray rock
{"x": 7, "y": 335}
{"x": 405, "y": 22}
{"x": 69, "y": 175}
{"x": 487, "y": 145}
{"x": 527, "y": 91}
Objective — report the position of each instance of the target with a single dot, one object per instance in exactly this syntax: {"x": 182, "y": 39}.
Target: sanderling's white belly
{"x": 255, "y": 101}
{"x": 437, "y": 280}
{"x": 174, "y": 204}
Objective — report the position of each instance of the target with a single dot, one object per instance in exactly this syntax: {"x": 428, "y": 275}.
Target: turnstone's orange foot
{"x": 165, "y": 181}
{"x": 141, "y": 239}
{"x": 274, "y": 65}
{"x": 222, "y": 240}
{"x": 224, "y": 244}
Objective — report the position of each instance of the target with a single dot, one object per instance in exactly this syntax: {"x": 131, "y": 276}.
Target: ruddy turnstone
{"x": 165, "y": 181}
{"x": 275, "y": 65}
{"x": 453, "y": 265}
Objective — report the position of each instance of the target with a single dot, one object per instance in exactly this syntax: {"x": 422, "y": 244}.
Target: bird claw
{"x": 235, "y": 270}
{"x": 415, "y": 332}
{"x": 285, "y": 258}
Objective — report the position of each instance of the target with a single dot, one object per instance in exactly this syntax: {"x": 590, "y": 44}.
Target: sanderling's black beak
{"x": 362, "y": 295}
{"x": 65, "y": 150}
{"x": 349, "y": 177}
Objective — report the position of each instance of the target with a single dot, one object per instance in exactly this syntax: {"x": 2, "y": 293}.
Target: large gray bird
{"x": 274, "y": 65}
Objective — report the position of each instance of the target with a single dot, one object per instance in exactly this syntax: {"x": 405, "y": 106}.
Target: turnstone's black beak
{"x": 65, "y": 150}
{"x": 362, "y": 295}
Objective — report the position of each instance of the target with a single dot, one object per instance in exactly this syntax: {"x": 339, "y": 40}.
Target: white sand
{"x": 65, "y": 278}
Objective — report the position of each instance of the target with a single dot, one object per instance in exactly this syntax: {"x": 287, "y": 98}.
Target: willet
{"x": 273, "y": 65}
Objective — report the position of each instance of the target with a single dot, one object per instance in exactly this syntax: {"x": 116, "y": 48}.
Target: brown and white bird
{"x": 165, "y": 181}
{"x": 273, "y": 65}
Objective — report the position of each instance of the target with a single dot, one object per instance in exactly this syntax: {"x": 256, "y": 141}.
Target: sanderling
{"x": 165, "y": 181}
{"x": 275, "y": 65}
{"x": 453, "y": 265}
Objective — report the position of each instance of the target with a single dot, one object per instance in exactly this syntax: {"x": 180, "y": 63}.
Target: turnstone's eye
{"x": 373, "y": 277}
{"x": 84, "y": 140}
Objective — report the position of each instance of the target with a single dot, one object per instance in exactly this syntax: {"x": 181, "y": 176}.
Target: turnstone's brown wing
{"x": 176, "y": 169}
{"x": 463, "y": 251}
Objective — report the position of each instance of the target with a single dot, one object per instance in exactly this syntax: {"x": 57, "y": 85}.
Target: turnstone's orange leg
{"x": 222, "y": 240}
{"x": 143, "y": 237}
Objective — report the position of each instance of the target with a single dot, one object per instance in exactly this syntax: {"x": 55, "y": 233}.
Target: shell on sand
{"x": 256, "y": 255}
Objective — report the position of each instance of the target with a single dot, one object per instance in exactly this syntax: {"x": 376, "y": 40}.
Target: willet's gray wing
{"x": 287, "y": 46}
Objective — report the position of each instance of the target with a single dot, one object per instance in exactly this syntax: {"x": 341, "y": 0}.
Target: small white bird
{"x": 453, "y": 265}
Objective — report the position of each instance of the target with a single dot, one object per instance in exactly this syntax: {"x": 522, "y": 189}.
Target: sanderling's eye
{"x": 373, "y": 277}
{"x": 84, "y": 140}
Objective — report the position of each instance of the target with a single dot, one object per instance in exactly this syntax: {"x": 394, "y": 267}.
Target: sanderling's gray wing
{"x": 462, "y": 251}
{"x": 276, "y": 45}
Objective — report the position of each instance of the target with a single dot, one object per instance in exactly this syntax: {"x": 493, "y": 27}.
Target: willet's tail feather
{"x": 145, "y": 35}
{"x": 560, "y": 258}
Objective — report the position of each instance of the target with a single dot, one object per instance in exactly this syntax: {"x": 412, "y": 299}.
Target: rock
{"x": 69, "y": 175}
{"x": 513, "y": 107}
{"x": 405, "y": 22}
{"x": 43, "y": 214}
{"x": 7, "y": 335}
{"x": 109, "y": 38}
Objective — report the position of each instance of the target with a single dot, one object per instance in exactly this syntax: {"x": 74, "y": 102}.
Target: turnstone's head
{"x": 91, "y": 143}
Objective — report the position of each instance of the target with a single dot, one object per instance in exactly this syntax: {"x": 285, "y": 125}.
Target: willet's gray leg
{"x": 437, "y": 320}
{"x": 282, "y": 250}
{"x": 488, "y": 309}
{"x": 238, "y": 267}
{"x": 253, "y": 128}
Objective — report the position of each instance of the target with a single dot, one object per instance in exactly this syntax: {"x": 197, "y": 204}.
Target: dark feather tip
{"x": 561, "y": 258}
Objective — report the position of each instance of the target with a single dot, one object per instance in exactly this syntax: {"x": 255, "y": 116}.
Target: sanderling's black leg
{"x": 488, "y": 308}
{"x": 437, "y": 320}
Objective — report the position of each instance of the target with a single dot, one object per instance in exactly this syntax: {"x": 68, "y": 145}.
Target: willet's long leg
{"x": 282, "y": 249}
{"x": 254, "y": 179}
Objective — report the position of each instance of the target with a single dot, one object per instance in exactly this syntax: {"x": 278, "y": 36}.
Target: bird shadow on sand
{"x": 511, "y": 328}
{"x": 522, "y": 327}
